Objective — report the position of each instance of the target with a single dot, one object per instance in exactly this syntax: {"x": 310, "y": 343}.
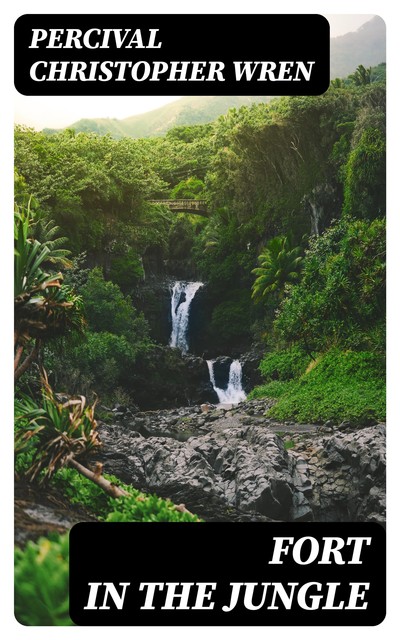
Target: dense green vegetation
{"x": 41, "y": 582}
{"x": 292, "y": 251}
{"x": 338, "y": 386}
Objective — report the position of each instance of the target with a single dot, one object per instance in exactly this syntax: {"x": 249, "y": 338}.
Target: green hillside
{"x": 187, "y": 110}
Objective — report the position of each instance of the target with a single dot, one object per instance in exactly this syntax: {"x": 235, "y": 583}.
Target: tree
{"x": 43, "y": 306}
{"x": 340, "y": 298}
{"x": 279, "y": 264}
{"x": 102, "y": 361}
{"x": 361, "y": 76}
{"x": 108, "y": 309}
{"x": 365, "y": 176}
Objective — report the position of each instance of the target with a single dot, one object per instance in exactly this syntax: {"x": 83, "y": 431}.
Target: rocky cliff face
{"x": 165, "y": 378}
{"x": 153, "y": 299}
{"x": 239, "y": 465}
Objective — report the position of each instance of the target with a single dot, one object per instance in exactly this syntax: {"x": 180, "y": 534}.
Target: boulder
{"x": 221, "y": 368}
{"x": 251, "y": 376}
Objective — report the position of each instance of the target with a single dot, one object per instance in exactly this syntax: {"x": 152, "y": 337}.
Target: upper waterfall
{"x": 181, "y": 297}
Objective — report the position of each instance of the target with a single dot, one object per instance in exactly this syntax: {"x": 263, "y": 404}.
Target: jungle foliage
{"x": 296, "y": 194}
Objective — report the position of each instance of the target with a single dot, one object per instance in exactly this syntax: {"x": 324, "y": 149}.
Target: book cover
{"x": 199, "y": 319}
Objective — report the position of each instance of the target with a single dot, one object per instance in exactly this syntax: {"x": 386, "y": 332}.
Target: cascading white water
{"x": 316, "y": 215}
{"x": 181, "y": 298}
{"x": 234, "y": 393}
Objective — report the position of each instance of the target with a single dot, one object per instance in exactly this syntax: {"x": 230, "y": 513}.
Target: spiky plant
{"x": 64, "y": 428}
{"x": 64, "y": 432}
{"x": 48, "y": 234}
{"x": 279, "y": 264}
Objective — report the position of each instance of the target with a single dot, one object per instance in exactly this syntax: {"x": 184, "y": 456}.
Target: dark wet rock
{"x": 347, "y": 471}
{"x": 221, "y": 368}
{"x": 176, "y": 380}
{"x": 251, "y": 376}
{"x": 227, "y": 464}
{"x": 243, "y": 468}
{"x": 39, "y": 511}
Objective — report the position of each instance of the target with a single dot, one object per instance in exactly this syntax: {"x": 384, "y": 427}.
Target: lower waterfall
{"x": 234, "y": 393}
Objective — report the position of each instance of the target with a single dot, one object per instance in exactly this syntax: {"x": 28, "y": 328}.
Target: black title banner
{"x": 188, "y": 574}
{"x": 171, "y": 54}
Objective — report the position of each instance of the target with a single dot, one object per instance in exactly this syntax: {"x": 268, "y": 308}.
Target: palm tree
{"x": 43, "y": 306}
{"x": 361, "y": 76}
{"x": 279, "y": 264}
{"x": 47, "y": 233}
{"x": 337, "y": 83}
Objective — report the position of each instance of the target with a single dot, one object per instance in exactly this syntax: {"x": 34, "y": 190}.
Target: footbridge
{"x": 198, "y": 207}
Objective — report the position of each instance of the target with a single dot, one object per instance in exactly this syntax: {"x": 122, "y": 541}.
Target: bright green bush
{"x": 41, "y": 582}
{"x": 273, "y": 389}
{"x": 82, "y": 491}
{"x": 343, "y": 385}
{"x": 139, "y": 507}
{"x": 284, "y": 365}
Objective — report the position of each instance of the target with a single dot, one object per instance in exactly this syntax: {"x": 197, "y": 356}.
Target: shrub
{"x": 342, "y": 290}
{"x": 139, "y": 507}
{"x": 273, "y": 389}
{"x": 80, "y": 490}
{"x": 284, "y": 365}
{"x": 41, "y": 582}
{"x": 344, "y": 385}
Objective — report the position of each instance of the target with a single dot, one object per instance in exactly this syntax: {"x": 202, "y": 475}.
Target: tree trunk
{"x": 110, "y": 488}
{"x": 20, "y": 370}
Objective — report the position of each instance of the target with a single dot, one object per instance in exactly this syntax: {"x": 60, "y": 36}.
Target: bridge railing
{"x": 182, "y": 204}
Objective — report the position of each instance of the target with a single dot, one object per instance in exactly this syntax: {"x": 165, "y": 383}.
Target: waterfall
{"x": 233, "y": 394}
{"x": 181, "y": 298}
{"x": 316, "y": 215}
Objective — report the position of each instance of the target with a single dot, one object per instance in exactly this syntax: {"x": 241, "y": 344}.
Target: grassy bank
{"x": 338, "y": 385}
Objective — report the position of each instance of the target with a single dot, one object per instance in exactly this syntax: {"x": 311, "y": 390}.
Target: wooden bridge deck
{"x": 198, "y": 207}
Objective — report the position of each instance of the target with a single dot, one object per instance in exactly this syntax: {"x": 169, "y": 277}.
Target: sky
{"x": 50, "y": 112}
